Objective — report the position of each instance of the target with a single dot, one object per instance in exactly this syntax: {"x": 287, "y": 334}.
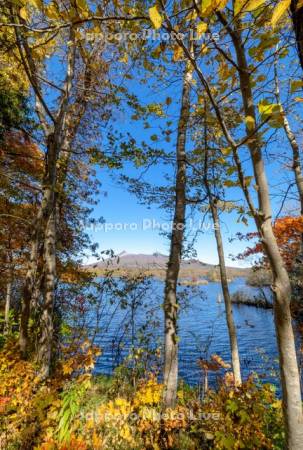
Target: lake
{"x": 202, "y": 331}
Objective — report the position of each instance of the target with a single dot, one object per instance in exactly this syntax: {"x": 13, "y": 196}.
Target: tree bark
{"x": 226, "y": 294}
{"x": 29, "y": 284}
{"x": 49, "y": 258}
{"x": 292, "y": 402}
{"x": 31, "y": 290}
{"x": 223, "y": 273}
{"x": 8, "y": 299}
{"x": 297, "y": 19}
{"x": 173, "y": 268}
{"x": 46, "y": 322}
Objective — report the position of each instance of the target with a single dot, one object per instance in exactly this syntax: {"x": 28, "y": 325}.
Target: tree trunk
{"x": 172, "y": 274}
{"x": 297, "y": 19}
{"x": 29, "y": 287}
{"x": 32, "y": 288}
{"x": 227, "y": 299}
{"x": 8, "y": 299}
{"x": 296, "y": 166}
{"x": 49, "y": 261}
{"x": 292, "y": 403}
{"x": 296, "y": 163}
{"x": 223, "y": 273}
{"x": 46, "y": 322}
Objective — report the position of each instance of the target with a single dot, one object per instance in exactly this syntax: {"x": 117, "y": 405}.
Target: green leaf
{"x": 231, "y": 406}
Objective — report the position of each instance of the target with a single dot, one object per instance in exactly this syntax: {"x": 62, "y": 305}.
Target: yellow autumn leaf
{"x": 67, "y": 368}
{"x": 82, "y": 4}
{"x": 250, "y": 123}
{"x": 220, "y": 4}
{"x": 206, "y": 7}
{"x": 178, "y": 53}
{"x": 155, "y": 17}
{"x": 248, "y": 180}
{"x": 23, "y": 13}
{"x": 299, "y": 99}
{"x": 244, "y": 6}
{"x": 37, "y": 4}
{"x": 253, "y": 4}
{"x": 226, "y": 151}
{"x": 83, "y": 7}
{"x": 192, "y": 15}
{"x": 279, "y": 11}
{"x": 97, "y": 441}
{"x": 295, "y": 85}
{"x": 238, "y": 6}
{"x": 201, "y": 28}
{"x": 204, "y": 49}
{"x": 51, "y": 11}
{"x": 124, "y": 58}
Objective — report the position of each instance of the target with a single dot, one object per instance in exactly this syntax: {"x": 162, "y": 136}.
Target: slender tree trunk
{"x": 223, "y": 273}
{"x": 292, "y": 402}
{"x": 172, "y": 274}
{"x": 226, "y": 294}
{"x": 296, "y": 162}
{"x": 8, "y": 299}
{"x": 297, "y": 19}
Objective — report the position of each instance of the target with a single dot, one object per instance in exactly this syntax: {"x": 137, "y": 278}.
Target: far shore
{"x": 188, "y": 276}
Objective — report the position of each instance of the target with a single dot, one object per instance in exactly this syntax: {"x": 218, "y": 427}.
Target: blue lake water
{"x": 202, "y": 332}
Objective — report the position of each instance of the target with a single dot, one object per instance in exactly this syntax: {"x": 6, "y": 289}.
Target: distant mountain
{"x": 157, "y": 263}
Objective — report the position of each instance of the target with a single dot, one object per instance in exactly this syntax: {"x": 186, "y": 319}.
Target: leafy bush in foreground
{"x": 78, "y": 411}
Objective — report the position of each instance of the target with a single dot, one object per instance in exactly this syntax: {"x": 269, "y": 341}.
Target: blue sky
{"x": 121, "y": 208}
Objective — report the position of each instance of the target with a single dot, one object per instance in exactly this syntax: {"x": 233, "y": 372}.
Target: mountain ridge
{"x": 156, "y": 263}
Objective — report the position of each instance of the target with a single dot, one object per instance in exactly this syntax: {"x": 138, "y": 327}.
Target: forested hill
{"x": 156, "y": 264}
